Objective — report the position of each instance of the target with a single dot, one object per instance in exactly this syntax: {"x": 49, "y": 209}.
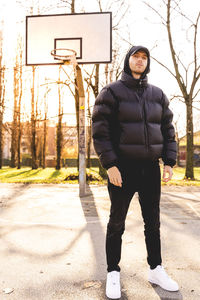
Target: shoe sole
{"x": 113, "y": 297}
{"x": 169, "y": 290}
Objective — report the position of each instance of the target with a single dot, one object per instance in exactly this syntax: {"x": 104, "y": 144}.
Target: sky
{"x": 140, "y": 26}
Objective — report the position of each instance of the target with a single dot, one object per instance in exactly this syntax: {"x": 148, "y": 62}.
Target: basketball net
{"x": 66, "y": 56}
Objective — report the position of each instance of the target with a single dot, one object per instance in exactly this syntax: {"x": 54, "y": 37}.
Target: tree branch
{"x": 197, "y": 108}
{"x": 195, "y": 76}
{"x": 100, "y": 7}
{"x": 178, "y": 75}
{"x": 122, "y": 16}
{"x": 161, "y": 17}
{"x": 180, "y": 12}
{"x": 196, "y": 94}
{"x": 195, "y": 42}
{"x": 164, "y": 66}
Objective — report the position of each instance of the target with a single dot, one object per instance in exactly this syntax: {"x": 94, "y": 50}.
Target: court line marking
{"x": 196, "y": 212}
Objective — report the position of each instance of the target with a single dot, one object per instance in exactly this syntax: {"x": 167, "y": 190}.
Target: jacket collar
{"x": 131, "y": 82}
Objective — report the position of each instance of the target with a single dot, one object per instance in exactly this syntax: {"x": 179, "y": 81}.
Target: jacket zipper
{"x": 145, "y": 121}
{"x": 145, "y": 127}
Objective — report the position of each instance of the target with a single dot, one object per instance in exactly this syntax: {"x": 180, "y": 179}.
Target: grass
{"x": 178, "y": 177}
{"x": 50, "y": 175}
{"x": 27, "y": 175}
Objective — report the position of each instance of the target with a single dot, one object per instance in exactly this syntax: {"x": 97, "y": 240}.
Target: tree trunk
{"x": 1, "y": 140}
{"x": 45, "y": 130}
{"x": 89, "y": 135}
{"x": 77, "y": 118}
{"x": 96, "y": 89}
{"x": 96, "y": 92}
{"x": 89, "y": 130}
{"x": 14, "y": 122}
{"x": 44, "y": 143}
{"x": 33, "y": 124}
{"x": 73, "y": 6}
{"x": 178, "y": 152}
{"x": 58, "y": 143}
{"x": 59, "y": 130}
{"x": 19, "y": 144}
{"x": 19, "y": 114}
{"x": 13, "y": 145}
{"x": 106, "y": 73}
{"x": 2, "y": 94}
{"x": 39, "y": 150}
{"x": 189, "y": 173}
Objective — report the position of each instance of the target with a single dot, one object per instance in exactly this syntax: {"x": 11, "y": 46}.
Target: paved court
{"x": 52, "y": 244}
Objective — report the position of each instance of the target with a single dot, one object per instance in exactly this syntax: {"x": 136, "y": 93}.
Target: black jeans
{"x": 143, "y": 178}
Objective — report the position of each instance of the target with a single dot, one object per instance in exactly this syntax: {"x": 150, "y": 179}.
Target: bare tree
{"x": 113, "y": 70}
{"x": 59, "y": 136}
{"x": 92, "y": 79}
{"x": 16, "y": 131}
{"x": 89, "y": 130}
{"x": 33, "y": 121}
{"x": 39, "y": 139}
{"x": 45, "y": 128}
{"x": 39, "y": 131}
{"x": 178, "y": 137}
{"x": 2, "y": 97}
{"x": 19, "y": 129}
{"x": 76, "y": 98}
{"x": 182, "y": 72}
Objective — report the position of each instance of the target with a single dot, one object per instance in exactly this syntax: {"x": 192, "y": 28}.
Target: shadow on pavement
{"x": 167, "y": 295}
{"x": 8, "y": 200}
{"x": 179, "y": 197}
{"x": 98, "y": 236}
{"x": 13, "y": 248}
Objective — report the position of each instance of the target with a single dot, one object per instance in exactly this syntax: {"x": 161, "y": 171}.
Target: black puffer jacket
{"x": 131, "y": 121}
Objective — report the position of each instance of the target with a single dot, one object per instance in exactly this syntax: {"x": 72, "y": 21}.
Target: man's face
{"x": 138, "y": 62}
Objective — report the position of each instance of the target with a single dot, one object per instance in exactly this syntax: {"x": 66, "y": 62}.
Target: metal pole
{"x": 82, "y": 148}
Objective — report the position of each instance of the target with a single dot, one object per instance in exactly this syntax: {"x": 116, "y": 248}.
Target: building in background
{"x": 182, "y": 149}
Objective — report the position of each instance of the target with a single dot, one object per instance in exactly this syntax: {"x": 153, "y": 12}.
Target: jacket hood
{"x": 131, "y": 51}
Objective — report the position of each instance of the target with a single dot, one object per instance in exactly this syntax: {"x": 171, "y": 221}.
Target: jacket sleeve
{"x": 102, "y": 116}
{"x": 168, "y": 132}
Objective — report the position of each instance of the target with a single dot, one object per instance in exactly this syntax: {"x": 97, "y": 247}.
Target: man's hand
{"x": 167, "y": 173}
{"x": 115, "y": 176}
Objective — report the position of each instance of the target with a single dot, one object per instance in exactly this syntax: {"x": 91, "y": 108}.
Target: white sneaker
{"x": 113, "y": 289}
{"x": 159, "y": 276}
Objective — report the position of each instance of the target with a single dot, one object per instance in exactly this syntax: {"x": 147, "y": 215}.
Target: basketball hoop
{"x": 64, "y": 54}
{"x": 67, "y": 56}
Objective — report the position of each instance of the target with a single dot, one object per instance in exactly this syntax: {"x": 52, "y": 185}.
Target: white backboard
{"x": 89, "y": 34}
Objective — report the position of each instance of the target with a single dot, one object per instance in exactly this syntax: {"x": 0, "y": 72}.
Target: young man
{"x": 132, "y": 129}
